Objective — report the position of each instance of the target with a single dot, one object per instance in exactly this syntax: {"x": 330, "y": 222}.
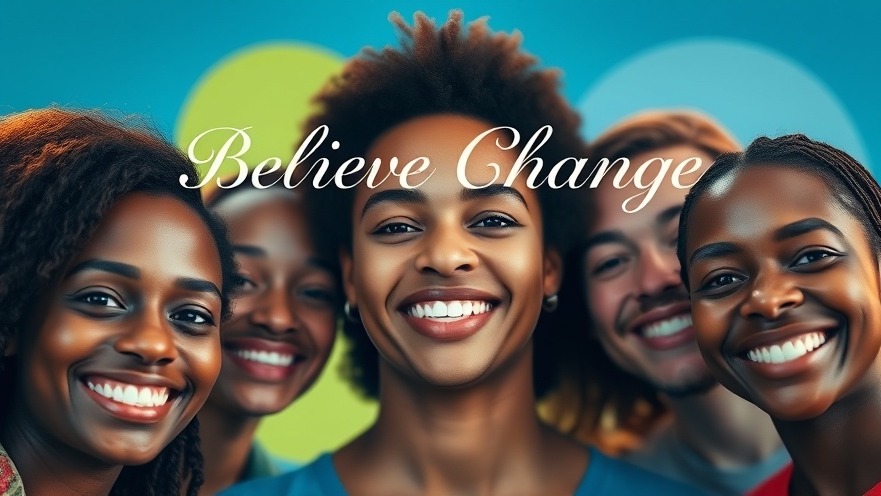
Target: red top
{"x": 778, "y": 485}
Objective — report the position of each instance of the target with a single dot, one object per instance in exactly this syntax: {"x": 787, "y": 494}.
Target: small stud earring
{"x": 351, "y": 313}
{"x": 550, "y": 303}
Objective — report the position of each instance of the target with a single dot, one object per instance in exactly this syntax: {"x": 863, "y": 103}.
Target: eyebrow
{"x": 605, "y": 237}
{"x": 394, "y": 196}
{"x": 669, "y": 214}
{"x": 199, "y": 285}
{"x": 249, "y": 250}
{"x": 803, "y": 227}
{"x": 124, "y": 270}
{"x": 492, "y": 191}
{"x": 713, "y": 250}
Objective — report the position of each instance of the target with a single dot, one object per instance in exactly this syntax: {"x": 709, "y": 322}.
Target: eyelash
{"x": 713, "y": 284}
{"x": 207, "y": 320}
{"x": 399, "y": 228}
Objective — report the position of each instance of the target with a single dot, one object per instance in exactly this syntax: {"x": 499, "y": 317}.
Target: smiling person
{"x": 780, "y": 250}
{"x": 113, "y": 283}
{"x": 448, "y": 283}
{"x": 281, "y": 332}
{"x": 638, "y": 363}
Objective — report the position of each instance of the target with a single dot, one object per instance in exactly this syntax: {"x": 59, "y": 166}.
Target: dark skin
{"x": 138, "y": 308}
{"x": 286, "y": 306}
{"x": 770, "y": 266}
{"x": 457, "y": 409}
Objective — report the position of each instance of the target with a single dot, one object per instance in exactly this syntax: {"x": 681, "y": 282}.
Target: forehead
{"x": 442, "y": 139}
{"x": 609, "y": 200}
{"x": 160, "y": 232}
{"x": 750, "y": 202}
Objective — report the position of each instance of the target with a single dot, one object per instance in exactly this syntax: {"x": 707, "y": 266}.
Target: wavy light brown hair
{"x": 598, "y": 402}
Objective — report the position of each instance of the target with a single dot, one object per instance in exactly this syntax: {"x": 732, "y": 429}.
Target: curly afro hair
{"x": 60, "y": 173}
{"x": 451, "y": 69}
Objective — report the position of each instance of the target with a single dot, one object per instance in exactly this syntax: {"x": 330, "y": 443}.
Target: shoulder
{"x": 607, "y": 476}
{"x": 777, "y": 485}
{"x": 318, "y": 478}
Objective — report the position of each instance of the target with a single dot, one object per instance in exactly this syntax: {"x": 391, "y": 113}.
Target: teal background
{"x": 759, "y": 67}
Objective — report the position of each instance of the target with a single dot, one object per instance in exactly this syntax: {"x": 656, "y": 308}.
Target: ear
{"x": 553, "y": 271}
{"x": 348, "y": 282}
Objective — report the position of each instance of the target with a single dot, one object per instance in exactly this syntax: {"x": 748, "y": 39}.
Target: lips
{"x": 787, "y": 350}
{"x": 264, "y": 360}
{"x": 131, "y": 397}
{"x": 448, "y": 314}
{"x": 665, "y": 327}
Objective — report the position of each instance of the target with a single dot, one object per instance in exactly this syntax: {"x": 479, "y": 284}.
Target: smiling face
{"x": 448, "y": 281}
{"x": 283, "y": 324}
{"x": 785, "y": 291}
{"x": 640, "y": 309}
{"x": 125, "y": 347}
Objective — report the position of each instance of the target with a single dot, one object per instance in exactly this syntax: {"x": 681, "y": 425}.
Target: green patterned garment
{"x": 10, "y": 481}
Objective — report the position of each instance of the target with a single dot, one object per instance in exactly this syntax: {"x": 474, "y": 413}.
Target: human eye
{"x": 393, "y": 228}
{"x": 97, "y": 302}
{"x": 245, "y": 283}
{"x": 320, "y": 295}
{"x": 495, "y": 221}
{"x": 192, "y": 318}
{"x": 721, "y": 284}
{"x": 100, "y": 299}
{"x": 608, "y": 266}
{"x": 818, "y": 257}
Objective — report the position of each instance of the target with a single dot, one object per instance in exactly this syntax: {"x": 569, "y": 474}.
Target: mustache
{"x": 646, "y": 303}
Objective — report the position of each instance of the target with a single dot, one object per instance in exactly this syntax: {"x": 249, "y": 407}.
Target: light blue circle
{"x": 751, "y": 90}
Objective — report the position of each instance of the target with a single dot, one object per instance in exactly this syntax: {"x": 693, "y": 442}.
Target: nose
{"x": 274, "y": 311}
{"x": 771, "y": 294}
{"x": 447, "y": 251}
{"x": 658, "y": 271}
{"x": 150, "y": 340}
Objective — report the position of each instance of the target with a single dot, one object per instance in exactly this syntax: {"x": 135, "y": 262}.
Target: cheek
{"x": 203, "y": 359}
{"x": 710, "y": 324}
{"x": 603, "y": 303}
{"x": 322, "y": 326}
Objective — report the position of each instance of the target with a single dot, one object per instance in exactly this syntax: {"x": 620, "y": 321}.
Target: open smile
{"x": 788, "y": 350}
{"x": 448, "y": 314}
{"x": 263, "y": 359}
{"x": 134, "y": 402}
{"x": 664, "y": 328}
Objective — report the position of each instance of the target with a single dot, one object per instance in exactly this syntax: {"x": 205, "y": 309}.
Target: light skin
{"x": 285, "y": 306}
{"x": 641, "y": 316}
{"x": 139, "y": 306}
{"x": 457, "y": 408}
{"x": 803, "y": 267}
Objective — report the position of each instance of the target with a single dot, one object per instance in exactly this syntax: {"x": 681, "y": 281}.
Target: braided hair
{"x": 61, "y": 172}
{"x": 849, "y": 182}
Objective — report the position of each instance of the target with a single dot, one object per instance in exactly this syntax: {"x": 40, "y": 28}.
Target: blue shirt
{"x": 604, "y": 477}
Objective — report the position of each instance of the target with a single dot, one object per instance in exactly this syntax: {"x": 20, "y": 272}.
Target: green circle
{"x": 266, "y": 88}
{"x": 269, "y": 89}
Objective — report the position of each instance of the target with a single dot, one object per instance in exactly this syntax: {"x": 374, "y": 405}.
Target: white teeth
{"x": 667, "y": 327}
{"x": 266, "y": 358}
{"x": 789, "y": 350}
{"x": 131, "y": 394}
{"x": 452, "y": 309}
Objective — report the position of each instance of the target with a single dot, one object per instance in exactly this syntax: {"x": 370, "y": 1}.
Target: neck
{"x": 724, "y": 429}
{"x": 847, "y": 434}
{"x": 47, "y": 466}
{"x": 226, "y": 440}
{"x": 482, "y": 439}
